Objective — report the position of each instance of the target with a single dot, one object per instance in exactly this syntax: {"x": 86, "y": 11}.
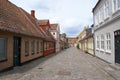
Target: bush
{"x": 86, "y": 51}
{"x": 77, "y": 46}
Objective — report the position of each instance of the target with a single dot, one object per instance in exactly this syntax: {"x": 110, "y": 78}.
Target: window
{"x": 47, "y": 29}
{"x": 45, "y": 45}
{"x": 102, "y": 42}
{"x": 37, "y": 46}
{"x": 106, "y": 9}
{"x": 102, "y": 13}
{"x": 53, "y": 33}
{"x": 108, "y": 42}
{"x": 26, "y": 48}
{"x": 33, "y": 47}
{"x": 3, "y": 49}
{"x": 97, "y": 18}
{"x": 98, "y": 42}
{"x": 41, "y": 46}
{"x": 116, "y": 5}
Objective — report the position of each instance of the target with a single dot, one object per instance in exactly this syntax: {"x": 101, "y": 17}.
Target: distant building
{"x": 64, "y": 41}
{"x": 85, "y": 40}
{"x": 55, "y": 31}
{"x": 71, "y": 42}
{"x": 107, "y": 30}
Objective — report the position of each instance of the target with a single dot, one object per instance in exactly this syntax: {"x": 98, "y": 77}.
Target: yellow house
{"x": 85, "y": 40}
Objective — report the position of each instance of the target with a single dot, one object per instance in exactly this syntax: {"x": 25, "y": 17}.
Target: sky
{"x": 71, "y": 15}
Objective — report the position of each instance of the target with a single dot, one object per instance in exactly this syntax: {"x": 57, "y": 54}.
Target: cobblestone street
{"x": 70, "y": 64}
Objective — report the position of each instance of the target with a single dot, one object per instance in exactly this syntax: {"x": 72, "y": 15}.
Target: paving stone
{"x": 70, "y": 64}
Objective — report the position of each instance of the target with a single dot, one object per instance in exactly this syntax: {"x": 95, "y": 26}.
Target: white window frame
{"x": 102, "y": 13}
{"x": 108, "y": 42}
{"x": 102, "y": 42}
{"x": 106, "y": 10}
{"x": 115, "y": 5}
{"x": 97, "y": 42}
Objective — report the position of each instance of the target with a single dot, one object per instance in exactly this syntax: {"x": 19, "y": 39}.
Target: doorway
{"x": 117, "y": 46}
{"x": 16, "y": 51}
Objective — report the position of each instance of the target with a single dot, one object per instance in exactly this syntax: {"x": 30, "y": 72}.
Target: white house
{"x": 55, "y": 31}
{"x": 107, "y": 30}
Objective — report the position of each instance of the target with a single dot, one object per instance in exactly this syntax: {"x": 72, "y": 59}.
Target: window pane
{"x": 2, "y": 48}
{"x": 26, "y": 47}
{"x": 37, "y": 46}
{"x": 41, "y": 46}
{"x": 33, "y": 46}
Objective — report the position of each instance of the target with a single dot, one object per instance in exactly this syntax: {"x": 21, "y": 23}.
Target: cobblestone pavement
{"x": 70, "y": 64}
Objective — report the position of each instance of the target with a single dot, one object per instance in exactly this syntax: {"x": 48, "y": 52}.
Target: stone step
{"x": 115, "y": 66}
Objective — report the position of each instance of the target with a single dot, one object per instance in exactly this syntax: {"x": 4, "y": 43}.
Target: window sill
{"x": 116, "y": 12}
{"x": 4, "y": 60}
{"x": 97, "y": 50}
{"x": 106, "y": 18}
{"x": 108, "y": 52}
{"x": 101, "y": 50}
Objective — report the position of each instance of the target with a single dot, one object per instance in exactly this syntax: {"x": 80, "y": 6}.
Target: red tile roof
{"x": 53, "y": 26}
{"x": 43, "y": 22}
{"x": 48, "y": 36}
{"x": 16, "y": 20}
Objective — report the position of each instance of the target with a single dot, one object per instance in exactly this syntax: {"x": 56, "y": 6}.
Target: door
{"x": 117, "y": 47}
{"x": 16, "y": 50}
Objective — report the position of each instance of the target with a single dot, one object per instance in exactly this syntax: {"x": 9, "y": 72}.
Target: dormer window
{"x": 53, "y": 33}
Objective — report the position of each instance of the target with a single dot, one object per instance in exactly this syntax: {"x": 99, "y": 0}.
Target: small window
{"x": 41, "y": 46}
{"x": 33, "y": 47}
{"x": 53, "y": 33}
{"x": 3, "y": 49}
{"x": 98, "y": 42}
{"x": 118, "y": 4}
{"x": 26, "y": 48}
{"x": 37, "y": 45}
{"x": 45, "y": 45}
{"x": 108, "y": 42}
{"x": 102, "y": 42}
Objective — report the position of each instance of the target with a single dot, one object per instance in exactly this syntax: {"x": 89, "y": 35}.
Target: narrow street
{"x": 70, "y": 64}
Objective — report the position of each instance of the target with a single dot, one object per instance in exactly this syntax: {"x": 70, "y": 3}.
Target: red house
{"x": 49, "y": 41}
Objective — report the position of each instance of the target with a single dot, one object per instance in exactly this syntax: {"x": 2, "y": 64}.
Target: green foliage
{"x": 64, "y": 34}
{"x": 86, "y": 51}
{"x": 77, "y": 46}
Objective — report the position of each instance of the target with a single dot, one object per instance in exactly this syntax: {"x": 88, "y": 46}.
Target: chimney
{"x": 33, "y": 13}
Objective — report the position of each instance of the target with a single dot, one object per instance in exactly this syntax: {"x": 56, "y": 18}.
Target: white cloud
{"x": 68, "y": 13}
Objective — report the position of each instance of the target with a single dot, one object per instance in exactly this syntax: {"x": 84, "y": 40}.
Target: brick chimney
{"x": 33, "y": 13}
